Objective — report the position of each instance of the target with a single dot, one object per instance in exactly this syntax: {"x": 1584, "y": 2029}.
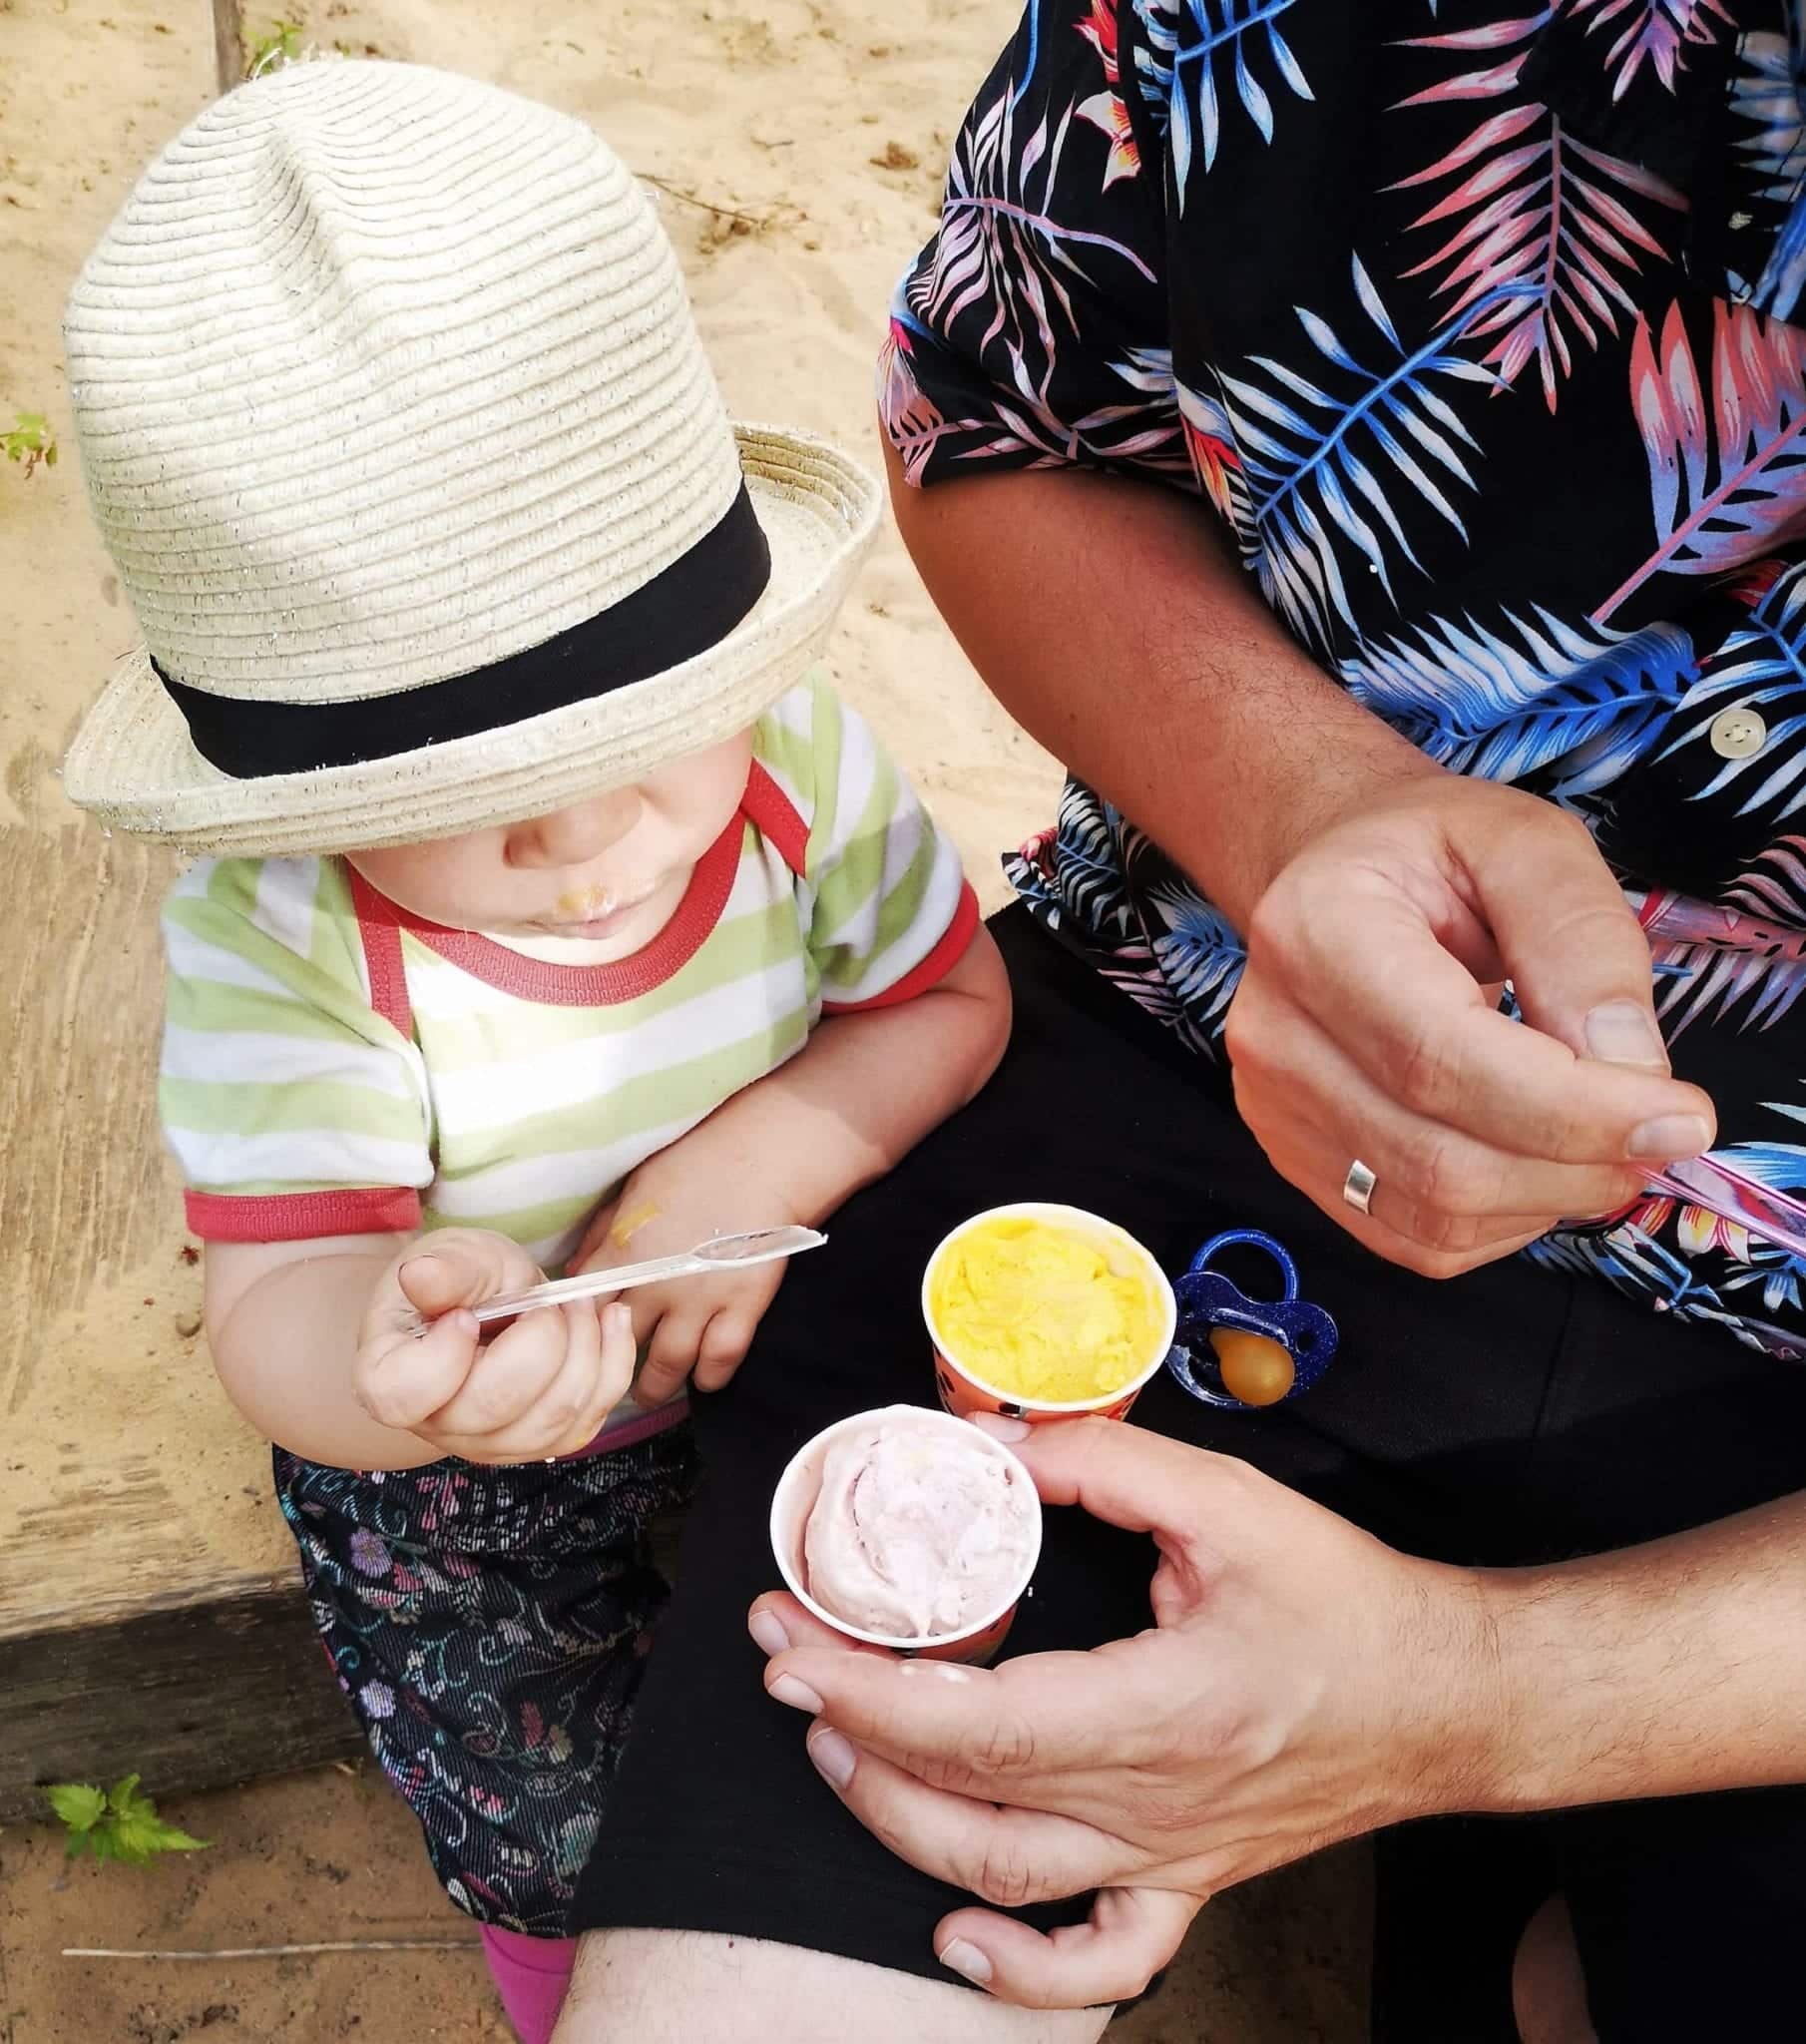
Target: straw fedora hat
{"x": 400, "y": 435}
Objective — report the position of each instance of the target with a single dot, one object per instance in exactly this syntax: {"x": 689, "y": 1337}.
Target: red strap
{"x": 775, "y": 816}
{"x": 379, "y": 925}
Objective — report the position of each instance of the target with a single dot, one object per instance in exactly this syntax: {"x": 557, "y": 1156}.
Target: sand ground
{"x": 798, "y": 146}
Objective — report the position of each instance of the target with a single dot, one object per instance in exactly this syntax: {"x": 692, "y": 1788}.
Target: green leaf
{"x": 141, "y": 1834}
{"x": 118, "y": 1824}
{"x": 79, "y": 1803}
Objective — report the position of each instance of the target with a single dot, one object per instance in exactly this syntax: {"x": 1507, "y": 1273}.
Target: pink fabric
{"x": 530, "y": 1975}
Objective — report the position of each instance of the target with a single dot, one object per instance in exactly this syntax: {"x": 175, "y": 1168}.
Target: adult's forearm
{"x": 1661, "y": 1670}
{"x": 1109, "y": 619}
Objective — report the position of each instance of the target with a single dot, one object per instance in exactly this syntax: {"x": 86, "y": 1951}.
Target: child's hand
{"x": 700, "y": 1325}
{"x": 542, "y": 1387}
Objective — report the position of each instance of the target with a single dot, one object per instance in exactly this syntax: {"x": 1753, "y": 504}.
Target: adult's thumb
{"x": 1139, "y": 1480}
{"x": 1578, "y": 957}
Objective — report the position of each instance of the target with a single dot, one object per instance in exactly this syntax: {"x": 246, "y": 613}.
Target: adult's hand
{"x": 1302, "y": 1683}
{"x": 1383, "y": 895}
{"x": 1365, "y": 1025}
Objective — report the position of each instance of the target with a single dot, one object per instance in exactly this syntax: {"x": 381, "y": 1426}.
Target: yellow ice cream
{"x": 1044, "y": 1312}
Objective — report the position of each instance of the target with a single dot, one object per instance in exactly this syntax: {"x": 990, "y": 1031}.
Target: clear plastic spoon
{"x": 756, "y": 1245}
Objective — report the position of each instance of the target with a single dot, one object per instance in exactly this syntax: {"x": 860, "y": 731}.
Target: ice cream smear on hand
{"x": 1046, "y": 1311}
{"x": 917, "y": 1533}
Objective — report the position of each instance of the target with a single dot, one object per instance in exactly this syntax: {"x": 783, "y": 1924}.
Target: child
{"x": 559, "y": 915}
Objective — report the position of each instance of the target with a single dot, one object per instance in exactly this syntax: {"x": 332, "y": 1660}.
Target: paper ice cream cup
{"x": 794, "y": 1499}
{"x": 965, "y": 1392}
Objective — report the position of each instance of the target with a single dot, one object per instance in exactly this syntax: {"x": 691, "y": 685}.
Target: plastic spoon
{"x": 756, "y": 1245}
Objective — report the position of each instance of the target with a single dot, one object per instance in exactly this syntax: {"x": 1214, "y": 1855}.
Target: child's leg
{"x": 489, "y": 1628}
{"x": 530, "y": 1975}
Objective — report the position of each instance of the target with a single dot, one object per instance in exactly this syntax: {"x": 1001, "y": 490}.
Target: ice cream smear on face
{"x": 916, "y": 1532}
{"x": 1046, "y": 1311}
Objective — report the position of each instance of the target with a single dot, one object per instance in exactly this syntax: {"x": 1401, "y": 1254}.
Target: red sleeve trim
{"x": 775, "y": 816}
{"x": 298, "y": 1217}
{"x": 379, "y": 925}
{"x": 951, "y": 947}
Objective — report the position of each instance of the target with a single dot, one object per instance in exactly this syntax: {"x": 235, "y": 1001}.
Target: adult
{"x": 1470, "y": 327}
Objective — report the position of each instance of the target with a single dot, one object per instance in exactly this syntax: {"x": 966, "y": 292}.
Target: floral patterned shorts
{"x": 489, "y": 1627}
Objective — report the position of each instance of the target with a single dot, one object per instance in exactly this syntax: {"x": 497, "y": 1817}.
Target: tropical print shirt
{"x": 1472, "y": 321}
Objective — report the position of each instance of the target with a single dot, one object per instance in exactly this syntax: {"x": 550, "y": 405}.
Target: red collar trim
{"x": 583, "y": 986}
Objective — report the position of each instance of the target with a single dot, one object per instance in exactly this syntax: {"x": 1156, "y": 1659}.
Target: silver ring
{"x": 1357, "y": 1186}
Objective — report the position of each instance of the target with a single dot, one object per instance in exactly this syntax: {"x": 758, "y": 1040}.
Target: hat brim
{"x": 134, "y": 765}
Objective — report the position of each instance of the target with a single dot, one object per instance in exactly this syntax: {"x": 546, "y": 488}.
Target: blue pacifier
{"x": 1208, "y": 1300}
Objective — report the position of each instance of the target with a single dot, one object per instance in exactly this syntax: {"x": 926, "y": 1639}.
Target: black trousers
{"x": 1510, "y": 1416}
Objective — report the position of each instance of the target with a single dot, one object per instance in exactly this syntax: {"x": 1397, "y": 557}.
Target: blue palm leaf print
{"x": 1642, "y": 1267}
{"x": 1761, "y": 663}
{"x": 1088, "y": 862}
{"x": 1540, "y": 694}
{"x": 1779, "y": 1166}
{"x": 1201, "y": 954}
{"x": 1770, "y": 93}
{"x": 1178, "y": 64}
{"x": 1311, "y": 456}
{"x": 1767, "y": 93}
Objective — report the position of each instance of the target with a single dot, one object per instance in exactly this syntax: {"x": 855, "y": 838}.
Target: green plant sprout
{"x": 116, "y": 1823}
{"x": 30, "y": 441}
{"x": 279, "y": 44}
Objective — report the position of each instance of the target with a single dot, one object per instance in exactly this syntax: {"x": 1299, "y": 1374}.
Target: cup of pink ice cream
{"x": 908, "y": 1529}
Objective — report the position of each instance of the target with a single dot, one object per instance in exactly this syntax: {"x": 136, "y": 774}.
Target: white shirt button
{"x": 1737, "y": 734}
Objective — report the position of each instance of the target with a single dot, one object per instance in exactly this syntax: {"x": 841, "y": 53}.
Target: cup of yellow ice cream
{"x": 1044, "y": 1311}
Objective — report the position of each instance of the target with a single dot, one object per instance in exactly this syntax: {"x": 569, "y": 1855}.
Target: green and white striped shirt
{"x": 333, "y": 1065}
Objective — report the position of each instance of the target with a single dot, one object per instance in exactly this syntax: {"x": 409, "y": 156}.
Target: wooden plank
{"x": 228, "y": 43}
{"x": 192, "y": 1696}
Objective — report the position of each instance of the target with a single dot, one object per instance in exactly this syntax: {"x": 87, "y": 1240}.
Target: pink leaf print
{"x": 1536, "y": 211}
{"x": 1727, "y": 453}
{"x": 912, "y": 420}
{"x": 1657, "y": 30}
{"x": 533, "y": 1725}
{"x": 1490, "y": 81}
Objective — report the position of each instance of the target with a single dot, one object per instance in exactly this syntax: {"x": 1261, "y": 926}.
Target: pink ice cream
{"x": 917, "y": 1533}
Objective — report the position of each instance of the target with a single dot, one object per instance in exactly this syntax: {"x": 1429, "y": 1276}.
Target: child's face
{"x": 611, "y": 869}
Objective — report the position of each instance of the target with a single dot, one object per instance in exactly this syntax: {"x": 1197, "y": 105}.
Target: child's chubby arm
{"x": 314, "y": 1343}
{"x": 840, "y": 1114}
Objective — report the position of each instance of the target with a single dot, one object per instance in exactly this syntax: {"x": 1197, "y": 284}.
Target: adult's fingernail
{"x": 798, "y": 1694}
{"x": 768, "y": 1636}
{"x": 833, "y": 1755}
{"x": 966, "y": 1960}
{"x": 999, "y": 1428}
{"x": 1622, "y": 1033}
{"x": 1669, "y": 1136}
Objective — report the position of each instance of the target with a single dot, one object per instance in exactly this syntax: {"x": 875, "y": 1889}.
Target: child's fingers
{"x": 724, "y": 1346}
{"x": 462, "y": 1271}
{"x": 570, "y": 1413}
{"x": 402, "y": 1381}
{"x": 508, "y": 1378}
{"x": 619, "y": 1350}
{"x": 669, "y": 1361}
